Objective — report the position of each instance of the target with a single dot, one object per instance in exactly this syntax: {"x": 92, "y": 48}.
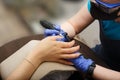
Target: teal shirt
{"x": 110, "y": 27}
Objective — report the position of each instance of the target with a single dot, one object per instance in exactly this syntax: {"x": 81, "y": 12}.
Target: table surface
{"x": 11, "y": 47}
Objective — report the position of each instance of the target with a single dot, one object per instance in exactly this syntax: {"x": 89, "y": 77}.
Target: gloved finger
{"x": 57, "y": 27}
{"x": 66, "y": 44}
{"x": 71, "y": 50}
{"x": 50, "y": 32}
{"x": 65, "y": 62}
{"x": 53, "y": 35}
{"x": 70, "y": 56}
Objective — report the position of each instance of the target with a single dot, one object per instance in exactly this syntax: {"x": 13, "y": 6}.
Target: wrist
{"x": 34, "y": 60}
{"x": 68, "y": 28}
{"x": 91, "y": 69}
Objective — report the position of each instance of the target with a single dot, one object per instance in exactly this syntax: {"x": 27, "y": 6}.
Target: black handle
{"x": 47, "y": 24}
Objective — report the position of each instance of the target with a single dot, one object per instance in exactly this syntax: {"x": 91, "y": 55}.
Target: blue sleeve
{"x": 89, "y": 5}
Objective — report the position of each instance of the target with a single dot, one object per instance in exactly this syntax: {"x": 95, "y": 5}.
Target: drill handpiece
{"x": 49, "y": 25}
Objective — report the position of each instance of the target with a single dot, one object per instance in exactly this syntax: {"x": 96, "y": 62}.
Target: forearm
{"x": 25, "y": 70}
{"x": 79, "y": 22}
{"x": 102, "y": 73}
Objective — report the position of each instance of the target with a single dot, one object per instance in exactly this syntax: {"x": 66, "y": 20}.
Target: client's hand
{"x": 80, "y": 62}
{"x": 49, "y": 49}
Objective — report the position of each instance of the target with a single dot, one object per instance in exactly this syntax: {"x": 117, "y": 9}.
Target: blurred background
{"x": 20, "y": 18}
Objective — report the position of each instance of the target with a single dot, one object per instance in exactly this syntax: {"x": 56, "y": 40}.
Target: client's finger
{"x": 70, "y": 56}
{"x": 71, "y": 50}
{"x": 65, "y": 62}
{"x": 66, "y": 44}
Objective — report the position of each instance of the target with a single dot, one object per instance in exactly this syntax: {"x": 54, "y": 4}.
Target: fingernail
{"x": 78, "y": 54}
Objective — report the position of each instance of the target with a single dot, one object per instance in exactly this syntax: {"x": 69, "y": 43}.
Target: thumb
{"x": 55, "y": 38}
